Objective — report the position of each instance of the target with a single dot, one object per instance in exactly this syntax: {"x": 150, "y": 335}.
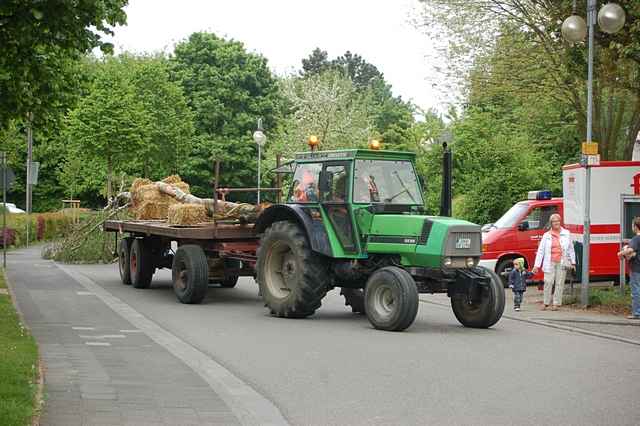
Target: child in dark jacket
{"x": 517, "y": 281}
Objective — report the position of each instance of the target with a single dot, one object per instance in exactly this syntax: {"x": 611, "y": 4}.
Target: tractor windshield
{"x": 386, "y": 181}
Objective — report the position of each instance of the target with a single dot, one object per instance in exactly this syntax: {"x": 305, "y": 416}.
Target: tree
{"x": 39, "y": 38}
{"x": 171, "y": 121}
{"x": 228, "y": 89}
{"x": 467, "y": 31}
{"x": 328, "y": 106}
{"x": 391, "y": 116}
{"x": 316, "y": 63}
{"x": 110, "y": 125}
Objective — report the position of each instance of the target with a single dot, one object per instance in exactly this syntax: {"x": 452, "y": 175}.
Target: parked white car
{"x": 11, "y": 208}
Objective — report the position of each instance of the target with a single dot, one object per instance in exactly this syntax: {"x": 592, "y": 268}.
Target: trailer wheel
{"x": 231, "y": 280}
{"x": 391, "y": 299}
{"x": 354, "y": 297}
{"x": 190, "y": 274}
{"x": 141, "y": 264}
{"x": 124, "y": 251}
{"x": 485, "y": 312}
{"x": 292, "y": 279}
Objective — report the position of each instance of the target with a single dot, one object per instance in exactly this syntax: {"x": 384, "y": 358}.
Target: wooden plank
{"x": 207, "y": 231}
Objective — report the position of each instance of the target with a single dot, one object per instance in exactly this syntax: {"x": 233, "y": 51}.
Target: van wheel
{"x": 292, "y": 279}
{"x": 487, "y": 310}
{"x": 502, "y": 270}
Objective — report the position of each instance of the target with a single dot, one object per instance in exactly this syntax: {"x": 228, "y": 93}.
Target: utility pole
{"x": 4, "y": 210}
{"x": 29, "y": 161}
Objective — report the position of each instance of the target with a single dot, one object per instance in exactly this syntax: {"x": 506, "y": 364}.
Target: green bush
{"x": 84, "y": 242}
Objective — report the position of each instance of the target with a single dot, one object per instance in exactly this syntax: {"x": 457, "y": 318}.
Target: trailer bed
{"x": 219, "y": 231}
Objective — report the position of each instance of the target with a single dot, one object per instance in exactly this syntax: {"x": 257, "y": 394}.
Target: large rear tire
{"x": 141, "y": 264}
{"x": 124, "y": 251}
{"x": 292, "y": 279}
{"x": 487, "y": 310}
{"x": 190, "y": 274}
{"x": 354, "y": 297}
{"x": 391, "y": 299}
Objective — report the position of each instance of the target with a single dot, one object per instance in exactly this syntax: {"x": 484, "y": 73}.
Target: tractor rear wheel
{"x": 354, "y": 297}
{"x": 190, "y": 274}
{"x": 124, "y": 251}
{"x": 141, "y": 264}
{"x": 292, "y": 279}
{"x": 486, "y": 311}
{"x": 391, "y": 299}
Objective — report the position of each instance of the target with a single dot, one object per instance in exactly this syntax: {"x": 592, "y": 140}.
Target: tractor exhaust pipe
{"x": 445, "y": 196}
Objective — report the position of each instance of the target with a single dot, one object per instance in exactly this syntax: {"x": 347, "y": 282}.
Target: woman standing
{"x": 555, "y": 255}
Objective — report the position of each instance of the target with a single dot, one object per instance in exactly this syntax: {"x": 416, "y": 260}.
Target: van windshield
{"x": 510, "y": 218}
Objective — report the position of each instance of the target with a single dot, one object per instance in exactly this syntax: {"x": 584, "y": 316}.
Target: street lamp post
{"x": 610, "y": 19}
{"x": 260, "y": 139}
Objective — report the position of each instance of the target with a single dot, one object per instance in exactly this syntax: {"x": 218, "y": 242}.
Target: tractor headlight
{"x": 447, "y": 262}
{"x": 470, "y": 262}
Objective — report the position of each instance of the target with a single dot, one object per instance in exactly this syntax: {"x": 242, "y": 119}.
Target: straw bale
{"x": 186, "y": 214}
{"x": 176, "y": 181}
{"x": 152, "y": 210}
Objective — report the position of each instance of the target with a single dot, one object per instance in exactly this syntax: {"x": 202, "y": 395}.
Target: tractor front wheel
{"x": 391, "y": 299}
{"x": 292, "y": 279}
{"x": 487, "y": 309}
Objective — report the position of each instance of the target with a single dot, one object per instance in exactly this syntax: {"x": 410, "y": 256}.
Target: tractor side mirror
{"x": 324, "y": 181}
{"x": 524, "y": 226}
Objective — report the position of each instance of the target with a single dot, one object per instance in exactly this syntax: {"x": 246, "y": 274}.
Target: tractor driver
{"x": 306, "y": 190}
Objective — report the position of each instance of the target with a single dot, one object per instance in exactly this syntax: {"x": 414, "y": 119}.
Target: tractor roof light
{"x": 313, "y": 142}
{"x": 375, "y": 144}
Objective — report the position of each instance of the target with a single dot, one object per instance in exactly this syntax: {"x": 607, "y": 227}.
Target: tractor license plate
{"x": 463, "y": 243}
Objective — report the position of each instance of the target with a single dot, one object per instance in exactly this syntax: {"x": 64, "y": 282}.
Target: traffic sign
{"x": 11, "y": 177}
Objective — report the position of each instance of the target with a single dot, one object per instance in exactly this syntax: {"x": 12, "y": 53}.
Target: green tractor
{"x": 355, "y": 219}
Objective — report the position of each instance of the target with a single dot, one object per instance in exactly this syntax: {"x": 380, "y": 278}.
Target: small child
{"x": 517, "y": 281}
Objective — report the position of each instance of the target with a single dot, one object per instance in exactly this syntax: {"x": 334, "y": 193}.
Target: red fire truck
{"x": 518, "y": 231}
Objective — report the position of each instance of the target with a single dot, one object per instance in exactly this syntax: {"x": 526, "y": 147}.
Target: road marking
{"x": 104, "y": 336}
{"x": 84, "y": 293}
{"x": 97, "y": 343}
{"x": 249, "y": 406}
{"x": 130, "y": 331}
{"x": 83, "y": 328}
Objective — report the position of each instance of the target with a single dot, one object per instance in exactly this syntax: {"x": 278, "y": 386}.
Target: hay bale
{"x": 156, "y": 210}
{"x": 176, "y": 181}
{"x": 147, "y": 202}
{"x": 186, "y": 214}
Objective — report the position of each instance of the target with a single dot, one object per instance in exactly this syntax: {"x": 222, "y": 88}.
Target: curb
{"x": 559, "y": 327}
{"x": 38, "y": 397}
{"x": 250, "y": 407}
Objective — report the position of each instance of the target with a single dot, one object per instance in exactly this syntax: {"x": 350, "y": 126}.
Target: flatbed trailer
{"x": 229, "y": 248}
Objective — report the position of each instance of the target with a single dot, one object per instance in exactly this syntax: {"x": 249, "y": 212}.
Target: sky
{"x": 285, "y": 31}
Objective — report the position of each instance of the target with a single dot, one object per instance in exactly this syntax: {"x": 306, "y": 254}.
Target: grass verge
{"x": 18, "y": 365}
{"x": 606, "y": 300}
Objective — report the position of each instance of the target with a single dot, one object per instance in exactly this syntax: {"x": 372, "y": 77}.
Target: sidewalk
{"x": 615, "y": 327}
{"x": 99, "y": 368}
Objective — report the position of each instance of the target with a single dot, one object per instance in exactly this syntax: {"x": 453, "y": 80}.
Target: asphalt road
{"x": 335, "y": 369}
